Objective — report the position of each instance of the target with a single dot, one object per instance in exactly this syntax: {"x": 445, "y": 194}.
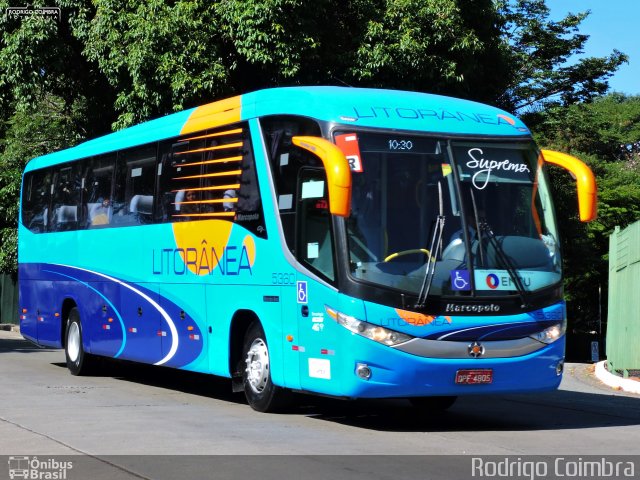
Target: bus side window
{"x": 97, "y": 198}
{"x": 65, "y": 202}
{"x": 180, "y": 183}
{"x": 315, "y": 244}
{"x": 210, "y": 175}
{"x": 286, "y": 161}
{"x": 35, "y": 202}
{"x": 134, "y": 186}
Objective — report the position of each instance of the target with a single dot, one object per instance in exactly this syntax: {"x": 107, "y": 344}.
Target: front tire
{"x": 78, "y": 361}
{"x": 262, "y": 395}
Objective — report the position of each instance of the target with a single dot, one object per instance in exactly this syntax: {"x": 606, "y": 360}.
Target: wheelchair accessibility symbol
{"x": 301, "y": 289}
{"x": 460, "y": 280}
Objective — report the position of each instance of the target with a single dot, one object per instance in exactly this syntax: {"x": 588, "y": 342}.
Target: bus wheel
{"x": 262, "y": 395}
{"x": 433, "y": 404}
{"x": 78, "y": 361}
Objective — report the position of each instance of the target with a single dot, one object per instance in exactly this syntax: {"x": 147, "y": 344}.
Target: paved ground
{"x": 139, "y": 410}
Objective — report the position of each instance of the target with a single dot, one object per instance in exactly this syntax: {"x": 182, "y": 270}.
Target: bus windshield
{"x": 468, "y": 218}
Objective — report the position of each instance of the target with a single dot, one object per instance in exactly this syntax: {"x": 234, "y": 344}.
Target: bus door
{"x": 183, "y": 316}
{"x": 315, "y": 250}
{"x": 142, "y": 322}
{"x": 100, "y": 310}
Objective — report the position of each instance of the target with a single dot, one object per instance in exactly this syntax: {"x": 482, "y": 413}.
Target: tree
{"x": 110, "y": 64}
{"x": 539, "y": 49}
{"x": 42, "y": 129}
{"x": 505, "y": 52}
{"x": 594, "y": 132}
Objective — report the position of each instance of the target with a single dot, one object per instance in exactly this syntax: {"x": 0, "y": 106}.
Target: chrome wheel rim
{"x": 73, "y": 342}
{"x": 257, "y": 365}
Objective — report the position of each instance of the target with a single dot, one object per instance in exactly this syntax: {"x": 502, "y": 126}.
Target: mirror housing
{"x": 338, "y": 172}
{"x": 585, "y": 182}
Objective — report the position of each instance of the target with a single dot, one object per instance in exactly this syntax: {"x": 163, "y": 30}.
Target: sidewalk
{"x": 9, "y": 331}
{"x": 614, "y": 381}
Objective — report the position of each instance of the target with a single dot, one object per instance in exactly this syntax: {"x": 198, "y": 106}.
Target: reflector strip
{"x": 161, "y": 333}
{"x": 324, "y": 351}
{"x": 209, "y": 162}
{"x": 219, "y": 214}
{"x": 41, "y": 319}
{"x": 194, "y": 337}
{"x": 297, "y": 348}
{"x": 217, "y": 200}
{"x": 209, "y": 175}
{"x": 106, "y": 327}
{"x": 133, "y": 330}
{"x": 211, "y": 149}
{"x": 219, "y": 187}
{"x": 218, "y": 134}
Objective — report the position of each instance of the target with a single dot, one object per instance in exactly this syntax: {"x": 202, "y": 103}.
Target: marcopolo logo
{"x": 38, "y": 469}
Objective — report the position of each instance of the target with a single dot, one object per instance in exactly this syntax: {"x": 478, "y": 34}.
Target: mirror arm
{"x": 337, "y": 169}
{"x": 585, "y": 182}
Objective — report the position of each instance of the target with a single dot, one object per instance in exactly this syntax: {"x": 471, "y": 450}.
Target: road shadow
{"x": 19, "y": 345}
{"x": 192, "y": 383}
{"x": 559, "y": 410}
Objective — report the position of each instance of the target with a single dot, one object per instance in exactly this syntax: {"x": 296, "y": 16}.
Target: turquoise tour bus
{"x": 355, "y": 243}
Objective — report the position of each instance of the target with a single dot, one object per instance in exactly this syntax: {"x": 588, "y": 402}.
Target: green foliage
{"x": 539, "y": 50}
{"x": 593, "y": 132}
{"x": 112, "y": 63}
{"x": 42, "y": 129}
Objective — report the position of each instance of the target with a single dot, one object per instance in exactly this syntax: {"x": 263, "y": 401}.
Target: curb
{"x": 615, "y": 381}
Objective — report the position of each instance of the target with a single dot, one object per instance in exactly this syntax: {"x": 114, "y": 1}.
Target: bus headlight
{"x": 368, "y": 330}
{"x": 552, "y": 333}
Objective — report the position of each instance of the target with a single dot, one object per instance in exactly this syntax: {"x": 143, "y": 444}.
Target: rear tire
{"x": 78, "y": 361}
{"x": 262, "y": 395}
{"x": 433, "y": 404}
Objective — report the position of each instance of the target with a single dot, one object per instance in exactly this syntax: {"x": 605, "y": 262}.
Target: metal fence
{"x": 8, "y": 299}
{"x": 623, "y": 324}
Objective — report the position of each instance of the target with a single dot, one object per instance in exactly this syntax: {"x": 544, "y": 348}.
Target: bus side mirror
{"x": 585, "y": 182}
{"x": 338, "y": 172}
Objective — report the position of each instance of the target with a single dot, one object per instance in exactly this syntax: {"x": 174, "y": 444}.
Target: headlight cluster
{"x": 552, "y": 333}
{"x": 368, "y": 330}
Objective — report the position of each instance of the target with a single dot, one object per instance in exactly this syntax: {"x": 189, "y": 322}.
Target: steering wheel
{"x": 409, "y": 252}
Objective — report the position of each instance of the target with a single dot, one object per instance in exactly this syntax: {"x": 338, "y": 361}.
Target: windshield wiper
{"x": 436, "y": 241}
{"x": 506, "y": 262}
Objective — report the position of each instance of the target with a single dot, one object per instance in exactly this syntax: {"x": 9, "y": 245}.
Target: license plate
{"x": 474, "y": 377}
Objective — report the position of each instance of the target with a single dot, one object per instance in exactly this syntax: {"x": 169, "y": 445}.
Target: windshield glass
{"x": 497, "y": 233}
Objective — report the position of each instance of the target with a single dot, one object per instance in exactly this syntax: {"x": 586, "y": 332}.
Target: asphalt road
{"x": 134, "y": 410}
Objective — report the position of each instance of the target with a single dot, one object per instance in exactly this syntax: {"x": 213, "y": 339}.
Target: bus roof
{"x": 393, "y": 109}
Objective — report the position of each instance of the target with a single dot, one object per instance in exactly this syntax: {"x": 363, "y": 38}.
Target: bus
{"x": 353, "y": 243}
